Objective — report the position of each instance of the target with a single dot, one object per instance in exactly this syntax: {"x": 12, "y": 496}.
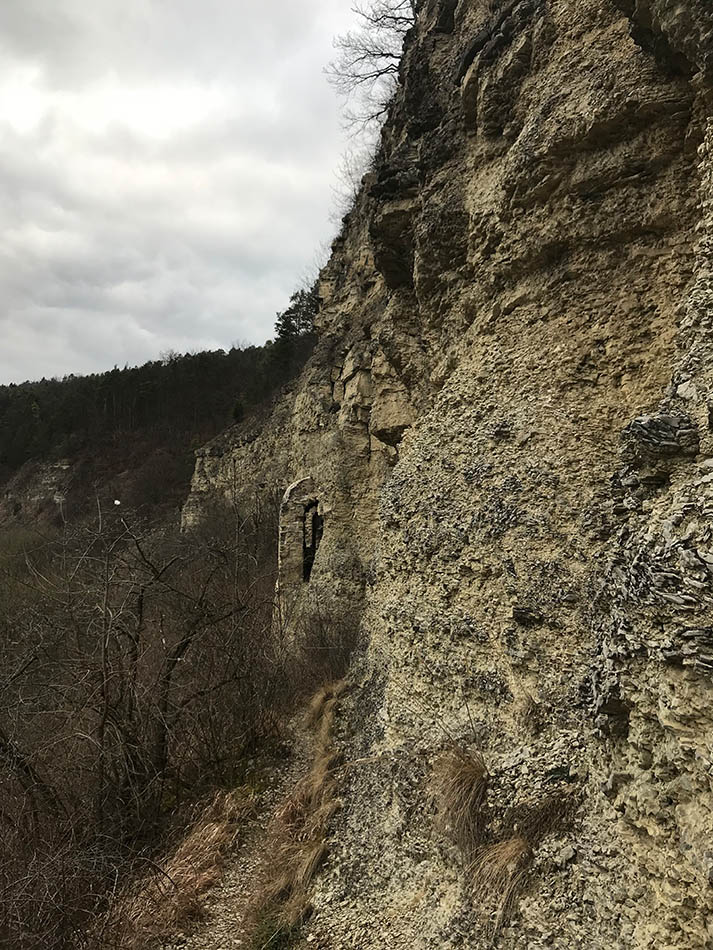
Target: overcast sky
{"x": 166, "y": 172}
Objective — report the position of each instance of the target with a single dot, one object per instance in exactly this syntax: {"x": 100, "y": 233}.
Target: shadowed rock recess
{"x": 506, "y": 426}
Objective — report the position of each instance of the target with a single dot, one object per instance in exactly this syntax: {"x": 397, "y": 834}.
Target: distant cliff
{"x": 500, "y": 458}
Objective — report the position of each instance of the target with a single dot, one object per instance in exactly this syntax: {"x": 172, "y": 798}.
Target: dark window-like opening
{"x": 312, "y": 535}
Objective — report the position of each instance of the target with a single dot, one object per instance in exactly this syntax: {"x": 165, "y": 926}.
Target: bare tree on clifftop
{"x": 366, "y": 68}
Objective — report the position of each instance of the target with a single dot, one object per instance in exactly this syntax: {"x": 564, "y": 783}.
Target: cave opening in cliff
{"x": 313, "y": 525}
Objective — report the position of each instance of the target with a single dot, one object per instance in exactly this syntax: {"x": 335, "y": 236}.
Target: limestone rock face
{"x": 507, "y": 429}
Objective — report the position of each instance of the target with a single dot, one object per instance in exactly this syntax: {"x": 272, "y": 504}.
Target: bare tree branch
{"x": 365, "y": 70}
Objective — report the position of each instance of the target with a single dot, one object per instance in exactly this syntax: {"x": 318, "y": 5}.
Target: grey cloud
{"x": 74, "y": 41}
{"x": 117, "y": 244}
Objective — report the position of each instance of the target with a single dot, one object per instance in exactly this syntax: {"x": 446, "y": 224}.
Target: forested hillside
{"x": 146, "y": 420}
{"x": 147, "y": 654}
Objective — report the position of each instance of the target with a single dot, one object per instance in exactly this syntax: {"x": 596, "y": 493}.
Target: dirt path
{"x": 222, "y": 927}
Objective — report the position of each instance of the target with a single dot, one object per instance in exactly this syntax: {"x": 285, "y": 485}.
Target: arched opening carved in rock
{"x": 301, "y": 527}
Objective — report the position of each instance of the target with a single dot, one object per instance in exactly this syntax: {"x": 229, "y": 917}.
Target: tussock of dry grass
{"x": 173, "y": 892}
{"x": 536, "y": 821}
{"x": 528, "y": 711}
{"x": 320, "y": 709}
{"x": 460, "y": 784}
{"x": 497, "y": 872}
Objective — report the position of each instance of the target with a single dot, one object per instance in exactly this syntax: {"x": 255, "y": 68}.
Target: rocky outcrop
{"x": 38, "y": 491}
{"x": 507, "y": 427}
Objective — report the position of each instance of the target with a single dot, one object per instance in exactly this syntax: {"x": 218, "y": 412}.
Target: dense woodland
{"x": 147, "y": 419}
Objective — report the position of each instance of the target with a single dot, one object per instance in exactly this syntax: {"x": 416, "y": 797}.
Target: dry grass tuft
{"x": 161, "y": 902}
{"x": 460, "y": 785}
{"x": 528, "y": 712}
{"x": 536, "y": 821}
{"x": 320, "y": 709}
{"x": 498, "y": 872}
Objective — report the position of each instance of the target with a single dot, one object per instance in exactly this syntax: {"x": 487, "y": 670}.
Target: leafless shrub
{"x": 48, "y": 881}
{"x": 324, "y": 639}
{"x": 354, "y": 163}
{"x": 137, "y": 669}
{"x": 366, "y": 67}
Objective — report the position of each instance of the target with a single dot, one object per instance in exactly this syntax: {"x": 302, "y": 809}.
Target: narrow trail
{"x": 226, "y": 907}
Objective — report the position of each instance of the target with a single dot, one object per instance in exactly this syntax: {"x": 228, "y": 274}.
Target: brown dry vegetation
{"x": 297, "y": 837}
{"x": 497, "y": 873}
{"x": 173, "y": 891}
{"x": 497, "y": 845}
{"x": 139, "y": 668}
{"x": 460, "y": 784}
{"x": 324, "y": 639}
{"x": 499, "y": 869}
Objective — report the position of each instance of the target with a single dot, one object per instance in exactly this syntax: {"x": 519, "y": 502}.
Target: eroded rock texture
{"x": 507, "y": 427}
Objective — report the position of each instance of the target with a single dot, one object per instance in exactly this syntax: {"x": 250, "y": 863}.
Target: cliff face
{"x": 506, "y": 425}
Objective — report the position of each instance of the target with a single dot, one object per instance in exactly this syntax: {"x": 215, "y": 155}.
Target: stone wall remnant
{"x": 301, "y": 527}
